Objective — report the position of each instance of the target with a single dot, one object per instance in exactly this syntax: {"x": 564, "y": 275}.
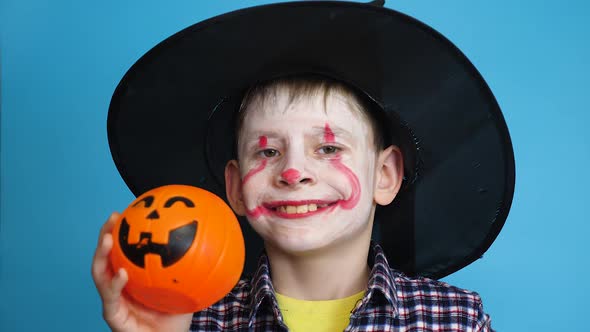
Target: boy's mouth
{"x": 298, "y": 208}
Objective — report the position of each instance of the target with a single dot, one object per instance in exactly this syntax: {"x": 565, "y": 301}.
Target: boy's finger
{"x": 111, "y": 300}
{"x": 108, "y": 225}
{"x": 103, "y": 247}
{"x": 100, "y": 263}
{"x": 119, "y": 281}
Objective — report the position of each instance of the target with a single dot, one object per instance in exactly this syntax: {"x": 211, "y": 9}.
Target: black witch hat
{"x": 170, "y": 118}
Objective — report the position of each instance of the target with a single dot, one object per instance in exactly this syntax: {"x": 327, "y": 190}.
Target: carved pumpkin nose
{"x": 153, "y": 215}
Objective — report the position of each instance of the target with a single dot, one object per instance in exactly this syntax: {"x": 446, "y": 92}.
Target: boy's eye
{"x": 269, "y": 153}
{"x": 329, "y": 149}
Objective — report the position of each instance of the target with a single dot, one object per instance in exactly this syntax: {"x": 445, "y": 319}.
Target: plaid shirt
{"x": 392, "y": 302}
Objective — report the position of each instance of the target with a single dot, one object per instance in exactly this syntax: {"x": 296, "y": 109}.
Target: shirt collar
{"x": 381, "y": 286}
{"x": 263, "y": 290}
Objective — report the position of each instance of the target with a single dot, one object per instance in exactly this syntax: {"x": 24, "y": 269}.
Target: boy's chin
{"x": 292, "y": 246}
{"x": 302, "y": 247}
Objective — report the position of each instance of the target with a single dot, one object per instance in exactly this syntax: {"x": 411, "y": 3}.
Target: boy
{"x": 313, "y": 161}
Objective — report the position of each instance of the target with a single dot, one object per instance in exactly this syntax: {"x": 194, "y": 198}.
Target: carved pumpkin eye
{"x": 175, "y": 199}
{"x": 147, "y": 201}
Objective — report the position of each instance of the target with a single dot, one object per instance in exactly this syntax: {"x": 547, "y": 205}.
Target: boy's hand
{"x": 122, "y": 313}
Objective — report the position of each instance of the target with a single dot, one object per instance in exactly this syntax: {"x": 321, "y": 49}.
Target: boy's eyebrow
{"x": 334, "y": 130}
{"x": 255, "y": 136}
{"x": 338, "y": 132}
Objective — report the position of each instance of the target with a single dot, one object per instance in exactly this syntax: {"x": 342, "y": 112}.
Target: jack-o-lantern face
{"x": 179, "y": 238}
{"x": 182, "y": 248}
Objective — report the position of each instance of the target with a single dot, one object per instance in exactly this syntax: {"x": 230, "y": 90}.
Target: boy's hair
{"x": 298, "y": 87}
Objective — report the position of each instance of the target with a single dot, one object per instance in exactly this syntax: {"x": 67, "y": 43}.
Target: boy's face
{"x": 306, "y": 173}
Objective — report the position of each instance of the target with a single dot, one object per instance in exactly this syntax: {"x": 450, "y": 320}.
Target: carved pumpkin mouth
{"x": 180, "y": 240}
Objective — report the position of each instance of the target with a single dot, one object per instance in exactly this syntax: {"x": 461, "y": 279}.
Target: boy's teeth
{"x": 290, "y": 209}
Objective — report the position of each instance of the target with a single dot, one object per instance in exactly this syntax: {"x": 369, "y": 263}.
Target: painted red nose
{"x": 291, "y": 175}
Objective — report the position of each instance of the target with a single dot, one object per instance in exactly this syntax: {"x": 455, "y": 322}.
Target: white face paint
{"x": 308, "y": 171}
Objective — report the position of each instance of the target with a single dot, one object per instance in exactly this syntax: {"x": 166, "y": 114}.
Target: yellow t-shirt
{"x": 317, "y": 316}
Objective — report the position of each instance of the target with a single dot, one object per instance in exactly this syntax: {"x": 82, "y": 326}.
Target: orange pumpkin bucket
{"x": 181, "y": 246}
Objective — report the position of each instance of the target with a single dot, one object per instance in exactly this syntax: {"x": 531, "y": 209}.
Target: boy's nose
{"x": 292, "y": 176}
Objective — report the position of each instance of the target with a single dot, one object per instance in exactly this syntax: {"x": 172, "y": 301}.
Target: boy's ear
{"x": 389, "y": 175}
{"x": 233, "y": 187}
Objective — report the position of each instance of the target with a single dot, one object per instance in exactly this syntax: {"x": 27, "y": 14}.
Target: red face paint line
{"x": 328, "y": 134}
{"x": 253, "y": 171}
{"x": 355, "y": 195}
{"x": 291, "y": 175}
{"x": 257, "y": 212}
{"x": 262, "y": 142}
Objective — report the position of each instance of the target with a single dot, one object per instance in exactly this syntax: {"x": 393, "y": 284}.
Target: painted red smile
{"x": 298, "y": 209}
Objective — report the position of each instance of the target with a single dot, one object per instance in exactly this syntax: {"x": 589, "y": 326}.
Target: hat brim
{"x": 169, "y": 119}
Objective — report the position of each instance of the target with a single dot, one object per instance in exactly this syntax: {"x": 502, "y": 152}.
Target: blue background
{"x": 60, "y": 63}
